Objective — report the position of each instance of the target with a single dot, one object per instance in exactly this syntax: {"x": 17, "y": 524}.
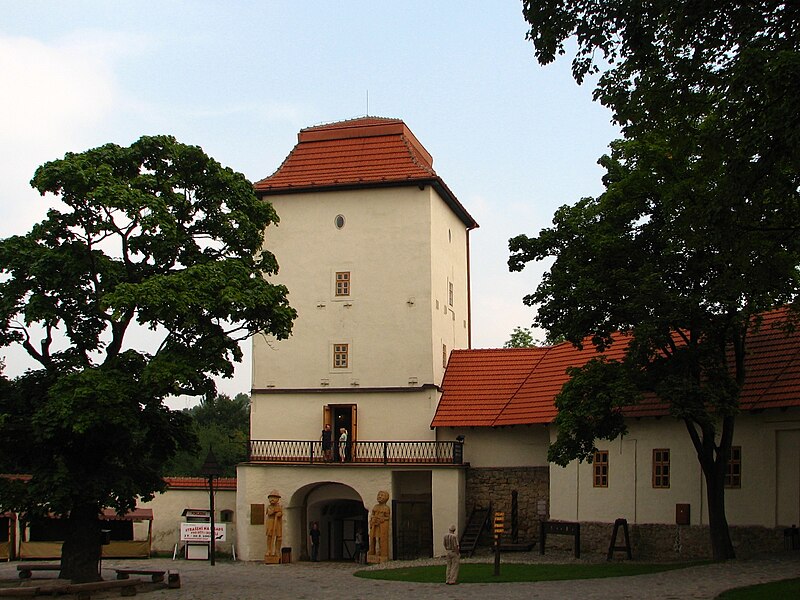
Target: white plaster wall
{"x": 630, "y": 494}
{"x": 255, "y": 482}
{"x": 517, "y": 446}
{"x": 298, "y": 483}
{"x": 386, "y": 320}
{"x": 449, "y": 256}
{"x": 448, "y": 494}
{"x": 381, "y": 415}
{"x": 167, "y": 509}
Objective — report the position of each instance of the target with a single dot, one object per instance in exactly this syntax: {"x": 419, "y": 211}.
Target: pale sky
{"x": 513, "y": 140}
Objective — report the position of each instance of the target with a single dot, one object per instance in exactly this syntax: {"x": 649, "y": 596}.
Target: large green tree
{"x": 157, "y": 235}
{"x": 697, "y": 230}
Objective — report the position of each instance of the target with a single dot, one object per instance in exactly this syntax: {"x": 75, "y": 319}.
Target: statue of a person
{"x": 379, "y": 529}
{"x": 274, "y": 525}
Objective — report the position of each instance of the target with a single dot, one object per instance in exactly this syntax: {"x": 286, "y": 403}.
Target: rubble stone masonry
{"x": 496, "y": 485}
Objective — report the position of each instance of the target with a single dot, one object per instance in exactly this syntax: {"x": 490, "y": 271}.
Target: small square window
{"x": 600, "y": 466}
{"x": 661, "y": 472}
{"x": 342, "y": 283}
{"x": 733, "y": 472}
{"x": 341, "y": 356}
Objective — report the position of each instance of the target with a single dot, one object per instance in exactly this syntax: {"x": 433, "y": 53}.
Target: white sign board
{"x": 199, "y": 532}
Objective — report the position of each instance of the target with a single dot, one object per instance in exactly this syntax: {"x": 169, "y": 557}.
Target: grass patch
{"x": 510, "y": 573}
{"x": 787, "y": 588}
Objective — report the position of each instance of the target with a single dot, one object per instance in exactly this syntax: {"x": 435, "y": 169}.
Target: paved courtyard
{"x": 312, "y": 581}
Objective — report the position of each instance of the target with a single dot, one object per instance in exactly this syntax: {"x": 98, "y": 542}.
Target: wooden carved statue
{"x": 379, "y": 530}
{"x": 274, "y": 528}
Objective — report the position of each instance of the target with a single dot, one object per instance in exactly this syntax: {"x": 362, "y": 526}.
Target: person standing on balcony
{"x": 327, "y": 442}
{"x": 342, "y": 444}
{"x": 453, "y": 556}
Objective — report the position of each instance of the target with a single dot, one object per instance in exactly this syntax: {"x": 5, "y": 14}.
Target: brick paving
{"x": 255, "y": 581}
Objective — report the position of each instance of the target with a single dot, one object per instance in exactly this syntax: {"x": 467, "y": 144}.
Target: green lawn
{"x": 484, "y": 573}
{"x": 777, "y": 590}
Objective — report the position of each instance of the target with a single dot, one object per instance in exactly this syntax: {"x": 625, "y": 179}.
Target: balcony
{"x": 358, "y": 453}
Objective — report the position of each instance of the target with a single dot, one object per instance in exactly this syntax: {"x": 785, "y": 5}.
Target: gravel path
{"x": 314, "y": 581}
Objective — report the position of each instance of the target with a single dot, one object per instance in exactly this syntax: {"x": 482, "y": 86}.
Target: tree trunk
{"x": 80, "y": 554}
{"x": 721, "y": 545}
{"x": 713, "y": 463}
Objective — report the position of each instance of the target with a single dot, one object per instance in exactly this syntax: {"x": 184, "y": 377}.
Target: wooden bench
{"x": 27, "y": 569}
{"x": 155, "y": 575}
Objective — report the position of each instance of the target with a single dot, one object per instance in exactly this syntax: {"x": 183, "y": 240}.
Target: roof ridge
{"x": 414, "y": 158}
{"x": 521, "y": 384}
{"x": 334, "y": 124}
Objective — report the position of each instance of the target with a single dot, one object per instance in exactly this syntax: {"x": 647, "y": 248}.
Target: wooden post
{"x": 499, "y": 519}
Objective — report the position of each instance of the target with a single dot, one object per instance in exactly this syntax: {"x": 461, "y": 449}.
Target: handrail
{"x": 358, "y": 452}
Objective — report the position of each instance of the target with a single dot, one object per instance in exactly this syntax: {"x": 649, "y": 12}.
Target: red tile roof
{"x": 137, "y": 514}
{"x": 200, "y": 483}
{"x": 358, "y": 153}
{"x": 518, "y": 386}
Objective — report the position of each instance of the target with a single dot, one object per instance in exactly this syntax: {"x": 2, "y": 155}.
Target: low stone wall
{"x": 669, "y": 542}
{"x": 495, "y": 485}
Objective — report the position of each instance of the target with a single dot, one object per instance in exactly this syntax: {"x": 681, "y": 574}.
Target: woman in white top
{"x": 342, "y": 443}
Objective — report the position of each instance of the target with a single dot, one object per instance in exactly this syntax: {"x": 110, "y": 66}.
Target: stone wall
{"x": 495, "y": 485}
{"x": 659, "y": 542}
{"x": 668, "y": 542}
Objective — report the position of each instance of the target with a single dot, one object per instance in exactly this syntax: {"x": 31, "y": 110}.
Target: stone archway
{"x": 340, "y": 512}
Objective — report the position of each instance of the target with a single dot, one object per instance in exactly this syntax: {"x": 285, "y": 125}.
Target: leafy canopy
{"x": 222, "y": 424}
{"x": 521, "y": 337}
{"x": 697, "y": 231}
{"x": 156, "y": 234}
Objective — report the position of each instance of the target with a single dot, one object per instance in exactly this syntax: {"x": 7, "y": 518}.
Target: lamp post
{"x": 211, "y": 469}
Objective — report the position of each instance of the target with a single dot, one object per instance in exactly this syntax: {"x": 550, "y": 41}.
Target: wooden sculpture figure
{"x": 274, "y": 528}
{"x": 379, "y": 530}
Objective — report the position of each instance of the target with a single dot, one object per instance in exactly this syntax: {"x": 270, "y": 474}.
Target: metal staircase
{"x": 478, "y": 521}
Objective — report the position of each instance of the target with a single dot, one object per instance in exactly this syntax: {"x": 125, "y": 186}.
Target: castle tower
{"x": 374, "y": 249}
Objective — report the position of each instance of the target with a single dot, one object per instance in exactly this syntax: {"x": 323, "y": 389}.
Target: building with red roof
{"x": 374, "y": 249}
{"x": 503, "y": 402}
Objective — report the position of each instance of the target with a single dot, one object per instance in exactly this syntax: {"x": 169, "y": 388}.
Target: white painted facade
{"x": 769, "y": 495}
{"x": 514, "y": 446}
{"x": 406, "y": 255}
{"x": 168, "y": 515}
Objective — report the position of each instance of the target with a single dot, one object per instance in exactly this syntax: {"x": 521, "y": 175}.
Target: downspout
{"x": 578, "y": 491}
{"x": 635, "y": 481}
{"x": 469, "y": 298}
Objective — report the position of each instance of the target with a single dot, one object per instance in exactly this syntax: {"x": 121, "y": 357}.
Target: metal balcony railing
{"x": 359, "y": 452}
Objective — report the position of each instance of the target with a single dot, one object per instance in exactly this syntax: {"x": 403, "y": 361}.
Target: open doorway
{"x": 340, "y": 416}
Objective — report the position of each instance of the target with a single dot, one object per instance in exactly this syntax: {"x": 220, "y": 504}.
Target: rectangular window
{"x": 661, "y": 468}
{"x": 733, "y": 473}
{"x": 444, "y": 356}
{"x": 600, "y": 465}
{"x": 450, "y": 293}
{"x": 340, "y": 356}
{"x": 342, "y": 283}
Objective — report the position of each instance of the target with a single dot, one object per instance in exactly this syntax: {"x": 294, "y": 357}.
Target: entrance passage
{"x": 340, "y": 521}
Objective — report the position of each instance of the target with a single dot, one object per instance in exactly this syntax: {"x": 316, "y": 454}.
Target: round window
{"x": 339, "y": 221}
